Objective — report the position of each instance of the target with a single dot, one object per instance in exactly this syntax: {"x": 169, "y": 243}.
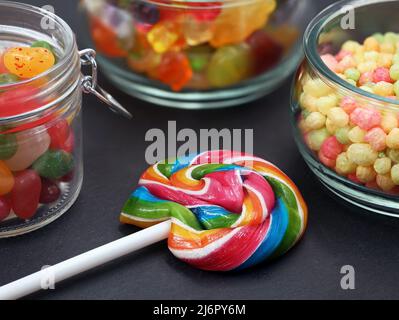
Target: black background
{"x": 114, "y": 159}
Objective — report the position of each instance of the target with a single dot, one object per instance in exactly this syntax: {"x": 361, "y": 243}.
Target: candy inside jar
{"x": 37, "y": 157}
{"x": 191, "y": 45}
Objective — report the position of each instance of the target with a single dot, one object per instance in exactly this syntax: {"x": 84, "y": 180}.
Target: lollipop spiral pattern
{"x": 229, "y": 210}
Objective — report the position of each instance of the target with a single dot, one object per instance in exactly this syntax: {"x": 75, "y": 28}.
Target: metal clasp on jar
{"x": 90, "y": 85}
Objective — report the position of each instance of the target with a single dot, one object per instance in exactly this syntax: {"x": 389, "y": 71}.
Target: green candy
{"x": 199, "y": 57}
{"x": 229, "y": 65}
{"x": 8, "y": 146}
{"x": 7, "y": 78}
{"x": 54, "y": 164}
{"x": 42, "y": 44}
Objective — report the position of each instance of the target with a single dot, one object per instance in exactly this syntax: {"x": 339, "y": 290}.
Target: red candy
{"x": 330, "y": 163}
{"x": 352, "y": 177}
{"x": 366, "y": 119}
{"x": 265, "y": 51}
{"x": 50, "y": 192}
{"x": 68, "y": 177}
{"x": 201, "y": 13}
{"x": 331, "y": 148}
{"x": 175, "y": 70}
{"x": 382, "y": 74}
{"x": 59, "y": 134}
{"x": 26, "y": 193}
{"x": 366, "y": 77}
{"x": 4, "y": 208}
{"x": 18, "y": 101}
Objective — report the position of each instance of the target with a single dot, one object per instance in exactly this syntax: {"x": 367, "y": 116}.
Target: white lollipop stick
{"x": 85, "y": 261}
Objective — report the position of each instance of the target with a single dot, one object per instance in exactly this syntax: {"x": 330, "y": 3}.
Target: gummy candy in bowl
{"x": 345, "y": 103}
{"x": 41, "y": 88}
{"x": 197, "y": 54}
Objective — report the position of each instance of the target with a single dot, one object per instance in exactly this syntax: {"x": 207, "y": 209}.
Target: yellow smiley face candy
{"x": 27, "y": 62}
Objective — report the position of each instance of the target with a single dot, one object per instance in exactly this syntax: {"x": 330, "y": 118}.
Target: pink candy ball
{"x": 331, "y": 63}
{"x": 352, "y": 177}
{"x": 330, "y": 163}
{"x": 331, "y": 148}
{"x": 348, "y": 104}
{"x": 365, "y": 119}
{"x": 376, "y": 138}
{"x": 366, "y": 77}
{"x": 382, "y": 74}
{"x": 342, "y": 54}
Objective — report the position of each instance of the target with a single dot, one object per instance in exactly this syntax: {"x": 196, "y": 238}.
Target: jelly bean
{"x": 54, "y": 164}
{"x": 105, "y": 39}
{"x": 59, "y": 133}
{"x": 8, "y": 146}
{"x": 50, "y": 192}
{"x": 163, "y": 36}
{"x": 199, "y": 57}
{"x": 68, "y": 177}
{"x": 18, "y": 101}
{"x": 69, "y": 143}
{"x": 7, "y": 78}
{"x": 174, "y": 70}
{"x": 376, "y": 138}
{"x": 229, "y": 65}
{"x": 265, "y": 51}
{"x": 6, "y": 179}
{"x": 5, "y": 208}
{"x": 145, "y": 13}
{"x": 3, "y": 68}
{"x": 42, "y": 44}
{"x": 365, "y": 118}
{"x": 26, "y": 193}
{"x": 331, "y": 148}
{"x": 31, "y": 145}
{"x": 235, "y": 24}
{"x": 26, "y": 62}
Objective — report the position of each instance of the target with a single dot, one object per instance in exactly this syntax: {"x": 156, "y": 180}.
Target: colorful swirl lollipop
{"x": 229, "y": 210}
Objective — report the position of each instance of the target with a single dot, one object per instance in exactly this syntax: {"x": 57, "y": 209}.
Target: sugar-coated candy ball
{"x": 229, "y": 65}
{"x": 27, "y": 62}
{"x": 331, "y": 62}
{"x": 366, "y": 118}
{"x": 328, "y": 162}
{"x": 331, "y": 148}
{"x": 342, "y": 135}
{"x": 389, "y": 122}
{"x": 384, "y": 89}
{"x": 393, "y": 139}
{"x": 5, "y": 208}
{"x": 343, "y": 165}
{"x": 383, "y": 165}
{"x": 8, "y": 145}
{"x": 6, "y": 179}
{"x": 26, "y": 193}
{"x": 376, "y": 137}
{"x": 326, "y": 103}
{"x": 265, "y": 51}
{"x": 365, "y": 174}
{"x": 348, "y": 104}
{"x": 315, "y": 138}
{"x": 385, "y": 182}
{"x": 144, "y": 12}
{"x": 50, "y": 192}
{"x": 317, "y": 88}
{"x": 366, "y": 77}
{"x": 382, "y": 74}
{"x": 362, "y": 154}
{"x": 356, "y": 135}
{"x": 371, "y": 44}
{"x": 396, "y": 88}
{"x": 54, "y": 164}
{"x": 308, "y": 102}
{"x": 395, "y": 174}
{"x": 393, "y": 154}
{"x": 338, "y": 117}
{"x": 394, "y": 72}
{"x": 174, "y": 70}
{"x": 315, "y": 120}
{"x": 353, "y": 74}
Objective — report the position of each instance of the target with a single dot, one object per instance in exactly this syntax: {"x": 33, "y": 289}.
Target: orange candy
{"x": 27, "y": 62}
{"x": 6, "y": 179}
{"x": 3, "y": 68}
{"x": 235, "y": 23}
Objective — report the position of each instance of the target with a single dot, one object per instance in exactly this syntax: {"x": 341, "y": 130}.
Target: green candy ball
{"x": 7, "y": 78}
{"x": 54, "y": 164}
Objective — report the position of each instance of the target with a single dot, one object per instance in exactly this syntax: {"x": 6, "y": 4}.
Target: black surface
{"x": 114, "y": 159}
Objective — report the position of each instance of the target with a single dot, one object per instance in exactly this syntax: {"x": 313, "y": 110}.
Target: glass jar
{"x": 197, "y": 54}
{"x": 344, "y": 154}
{"x": 40, "y": 123}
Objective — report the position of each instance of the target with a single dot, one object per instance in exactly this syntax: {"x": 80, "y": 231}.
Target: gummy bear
{"x": 163, "y": 36}
{"x": 235, "y": 23}
{"x": 196, "y": 32}
{"x": 175, "y": 70}
{"x": 265, "y": 51}
{"x": 229, "y": 65}
{"x": 27, "y": 62}
{"x": 105, "y": 39}
{"x": 199, "y": 57}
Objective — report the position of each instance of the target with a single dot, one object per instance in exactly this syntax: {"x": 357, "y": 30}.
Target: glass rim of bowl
{"x": 192, "y": 3}
{"x": 63, "y": 64}
{"x": 310, "y": 43}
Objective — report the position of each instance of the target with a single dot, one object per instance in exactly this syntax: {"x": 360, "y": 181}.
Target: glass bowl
{"x": 337, "y": 145}
{"x": 197, "y": 54}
